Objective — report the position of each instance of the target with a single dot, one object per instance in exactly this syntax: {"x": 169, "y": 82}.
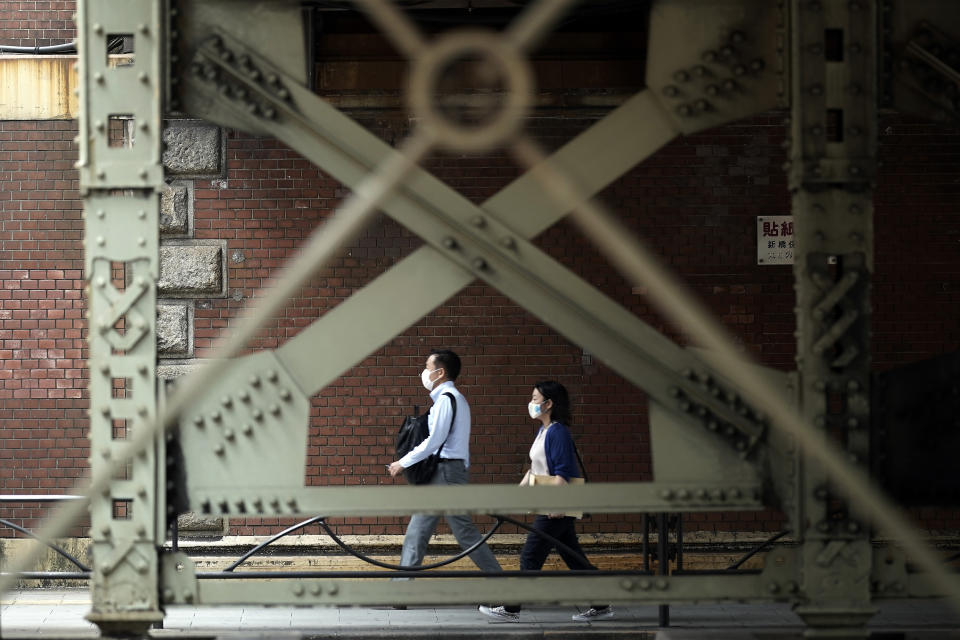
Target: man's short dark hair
{"x": 448, "y": 360}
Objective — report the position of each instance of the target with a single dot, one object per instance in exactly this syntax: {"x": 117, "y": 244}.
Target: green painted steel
{"x": 243, "y": 446}
{"x": 833, "y": 121}
{"x": 120, "y": 172}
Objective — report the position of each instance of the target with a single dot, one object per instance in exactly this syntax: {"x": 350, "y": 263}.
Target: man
{"x": 442, "y": 368}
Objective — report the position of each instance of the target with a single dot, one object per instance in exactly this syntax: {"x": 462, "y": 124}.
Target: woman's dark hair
{"x": 557, "y": 393}
{"x": 449, "y": 361}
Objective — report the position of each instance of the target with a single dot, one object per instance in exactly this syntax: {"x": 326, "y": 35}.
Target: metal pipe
{"x": 38, "y": 498}
{"x": 663, "y": 563}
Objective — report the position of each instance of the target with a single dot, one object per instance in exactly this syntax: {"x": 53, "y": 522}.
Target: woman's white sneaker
{"x": 592, "y": 614}
{"x": 499, "y": 613}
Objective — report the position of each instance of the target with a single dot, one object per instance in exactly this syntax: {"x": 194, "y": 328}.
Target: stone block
{"x": 193, "y": 149}
{"x": 192, "y": 524}
{"x": 174, "y": 209}
{"x": 173, "y": 330}
{"x": 191, "y": 270}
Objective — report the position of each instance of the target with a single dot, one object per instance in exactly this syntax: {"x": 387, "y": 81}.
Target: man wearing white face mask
{"x": 442, "y": 368}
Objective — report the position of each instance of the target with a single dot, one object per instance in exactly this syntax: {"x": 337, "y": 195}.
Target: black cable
{"x": 49, "y": 544}
{"x": 272, "y": 540}
{"x": 756, "y": 550}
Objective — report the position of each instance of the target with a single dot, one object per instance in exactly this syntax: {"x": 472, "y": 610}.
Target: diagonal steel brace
{"x": 474, "y": 238}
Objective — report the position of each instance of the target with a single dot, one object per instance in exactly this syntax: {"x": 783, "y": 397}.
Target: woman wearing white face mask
{"x": 552, "y": 455}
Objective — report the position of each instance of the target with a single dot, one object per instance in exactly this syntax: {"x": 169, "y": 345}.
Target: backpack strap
{"x": 452, "y": 421}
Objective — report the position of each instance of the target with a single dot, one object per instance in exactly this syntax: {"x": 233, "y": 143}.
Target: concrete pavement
{"x": 60, "y": 614}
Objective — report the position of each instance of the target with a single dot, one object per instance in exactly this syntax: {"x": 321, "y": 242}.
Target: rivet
{"x": 226, "y": 401}
{"x": 143, "y": 29}
{"x": 683, "y": 494}
{"x": 700, "y": 70}
{"x": 757, "y": 65}
{"x": 709, "y": 56}
{"x": 729, "y": 84}
{"x": 726, "y": 52}
{"x": 215, "y": 416}
{"x": 666, "y": 494}
{"x": 661, "y": 584}
{"x": 702, "y": 105}
{"x": 298, "y": 590}
{"x": 143, "y": 77}
{"x": 219, "y": 449}
{"x": 254, "y": 381}
{"x": 257, "y": 415}
{"x": 229, "y": 435}
{"x": 269, "y": 113}
{"x": 98, "y": 125}
{"x": 823, "y": 526}
{"x": 681, "y": 76}
{"x": 285, "y": 394}
{"x": 773, "y": 587}
{"x": 168, "y": 595}
{"x": 244, "y": 396}
{"x": 645, "y": 584}
{"x": 478, "y": 221}
{"x": 142, "y": 410}
{"x": 713, "y": 90}
{"x": 98, "y": 77}
{"x": 248, "y": 430}
{"x": 142, "y": 242}
{"x": 142, "y": 369}
{"x": 105, "y": 453}
{"x": 101, "y": 214}
{"x": 292, "y": 503}
{"x": 739, "y": 70}
{"x": 101, "y": 175}
{"x": 684, "y": 110}
{"x": 508, "y": 242}
{"x": 737, "y": 37}
{"x": 449, "y": 242}
{"x": 735, "y": 494}
{"x": 98, "y": 29}
{"x": 670, "y": 91}
{"x": 275, "y": 409}
{"x": 316, "y": 589}
{"x": 479, "y": 263}
{"x": 853, "y": 423}
{"x": 627, "y": 584}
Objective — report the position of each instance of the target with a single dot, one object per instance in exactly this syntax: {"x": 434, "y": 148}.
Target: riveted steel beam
{"x": 120, "y": 172}
{"x": 278, "y": 498}
{"x": 833, "y": 121}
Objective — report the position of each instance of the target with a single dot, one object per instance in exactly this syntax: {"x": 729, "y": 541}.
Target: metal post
{"x": 663, "y": 563}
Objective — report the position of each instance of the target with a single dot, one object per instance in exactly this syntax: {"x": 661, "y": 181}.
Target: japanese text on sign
{"x": 775, "y": 241}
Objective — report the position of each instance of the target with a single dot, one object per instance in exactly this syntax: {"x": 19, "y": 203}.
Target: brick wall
{"x": 30, "y": 23}
{"x": 694, "y": 202}
{"x": 43, "y": 444}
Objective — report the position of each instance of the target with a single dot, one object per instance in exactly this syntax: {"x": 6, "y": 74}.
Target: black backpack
{"x": 413, "y": 431}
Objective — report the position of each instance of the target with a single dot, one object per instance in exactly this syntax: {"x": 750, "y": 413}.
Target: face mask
{"x": 425, "y": 379}
{"x": 534, "y": 410}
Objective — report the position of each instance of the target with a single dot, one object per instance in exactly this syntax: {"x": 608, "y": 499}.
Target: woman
{"x": 553, "y": 454}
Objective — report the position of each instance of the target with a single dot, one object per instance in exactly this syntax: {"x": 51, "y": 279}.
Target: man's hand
{"x": 395, "y": 468}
